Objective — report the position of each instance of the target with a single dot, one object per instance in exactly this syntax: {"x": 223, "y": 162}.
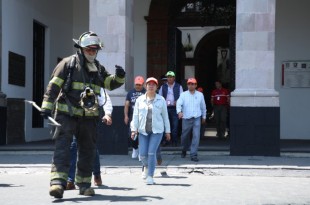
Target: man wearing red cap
{"x": 131, "y": 97}
{"x": 191, "y": 108}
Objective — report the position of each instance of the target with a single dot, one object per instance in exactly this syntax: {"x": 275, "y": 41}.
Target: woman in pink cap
{"x": 150, "y": 120}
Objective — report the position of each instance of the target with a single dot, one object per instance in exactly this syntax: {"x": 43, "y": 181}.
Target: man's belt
{"x": 192, "y": 118}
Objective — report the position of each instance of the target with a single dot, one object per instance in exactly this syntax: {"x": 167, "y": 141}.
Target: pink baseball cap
{"x": 192, "y": 80}
{"x": 152, "y": 79}
{"x": 139, "y": 80}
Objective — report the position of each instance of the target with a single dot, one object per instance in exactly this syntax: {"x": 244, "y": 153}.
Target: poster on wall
{"x": 296, "y": 74}
{"x": 223, "y": 71}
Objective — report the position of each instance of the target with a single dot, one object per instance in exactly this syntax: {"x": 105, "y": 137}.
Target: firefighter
{"x": 72, "y": 97}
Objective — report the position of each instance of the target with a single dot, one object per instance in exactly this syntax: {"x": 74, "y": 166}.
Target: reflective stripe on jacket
{"x": 80, "y": 78}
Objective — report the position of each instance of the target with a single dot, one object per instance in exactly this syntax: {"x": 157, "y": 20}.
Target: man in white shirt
{"x": 191, "y": 108}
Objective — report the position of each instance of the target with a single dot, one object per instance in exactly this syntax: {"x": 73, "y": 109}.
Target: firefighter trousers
{"x": 84, "y": 130}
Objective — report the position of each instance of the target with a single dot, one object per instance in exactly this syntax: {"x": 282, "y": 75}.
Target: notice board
{"x": 296, "y": 74}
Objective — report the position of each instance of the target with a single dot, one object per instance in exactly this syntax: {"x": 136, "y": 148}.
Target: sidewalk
{"x": 217, "y": 179}
{"x": 293, "y": 156}
{"x": 286, "y": 146}
{"x": 171, "y": 160}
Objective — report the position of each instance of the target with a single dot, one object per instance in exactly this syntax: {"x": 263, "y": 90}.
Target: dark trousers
{"x": 202, "y": 130}
{"x": 174, "y": 123}
{"x": 85, "y": 131}
{"x": 73, "y": 149}
{"x": 220, "y": 115}
{"x": 134, "y": 143}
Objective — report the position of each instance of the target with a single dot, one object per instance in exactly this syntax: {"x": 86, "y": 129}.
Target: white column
{"x": 255, "y": 47}
{"x": 113, "y": 21}
{"x": 2, "y": 95}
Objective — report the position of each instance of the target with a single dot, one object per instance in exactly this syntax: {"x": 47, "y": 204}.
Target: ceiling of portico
{"x": 195, "y": 12}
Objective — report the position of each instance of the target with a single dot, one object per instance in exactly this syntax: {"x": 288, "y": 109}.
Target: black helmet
{"x": 88, "y": 39}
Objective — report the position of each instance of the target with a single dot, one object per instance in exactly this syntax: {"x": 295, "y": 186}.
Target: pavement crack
{"x": 196, "y": 171}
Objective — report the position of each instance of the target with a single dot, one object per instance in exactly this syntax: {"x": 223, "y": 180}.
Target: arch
{"x": 206, "y": 50}
{"x": 205, "y": 58}
{"x": 164, "y": 46}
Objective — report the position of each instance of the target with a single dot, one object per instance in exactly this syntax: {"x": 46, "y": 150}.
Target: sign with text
{"x": 296, "y": 74}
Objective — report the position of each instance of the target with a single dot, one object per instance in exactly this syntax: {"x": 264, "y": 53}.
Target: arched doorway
{"x": 164, "y": 43}
{"x": 165, "y": 50}
{"x": 210, "y": 55}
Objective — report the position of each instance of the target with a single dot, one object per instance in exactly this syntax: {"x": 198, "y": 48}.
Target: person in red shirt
{"x": 220, "y": 101}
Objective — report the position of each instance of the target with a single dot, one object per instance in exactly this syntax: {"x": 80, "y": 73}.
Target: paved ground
{"x": 216, "y": 179}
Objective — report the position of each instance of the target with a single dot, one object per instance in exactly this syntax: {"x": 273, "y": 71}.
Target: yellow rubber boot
{"x": 87, "y": 191}
{"x": 57, "y": 191}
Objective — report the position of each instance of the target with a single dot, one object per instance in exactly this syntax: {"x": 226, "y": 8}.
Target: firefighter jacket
{"x": 66, "y": 101}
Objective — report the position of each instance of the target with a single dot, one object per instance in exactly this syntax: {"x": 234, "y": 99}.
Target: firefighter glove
{"x": 119, "y": 71}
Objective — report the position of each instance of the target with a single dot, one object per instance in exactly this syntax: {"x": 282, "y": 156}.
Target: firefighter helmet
{"x": 88, "y": 39}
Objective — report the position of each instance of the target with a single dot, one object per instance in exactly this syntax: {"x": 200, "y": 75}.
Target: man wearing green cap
{"x": 171, "y": 92}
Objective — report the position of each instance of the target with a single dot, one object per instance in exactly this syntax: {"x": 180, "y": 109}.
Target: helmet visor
{"x": 91, "y": 42}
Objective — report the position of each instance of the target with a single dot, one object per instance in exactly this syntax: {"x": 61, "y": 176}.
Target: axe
{"x": 53, "y": 122}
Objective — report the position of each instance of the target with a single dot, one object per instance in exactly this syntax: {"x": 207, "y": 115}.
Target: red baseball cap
{"x": 192, "y": 80}
{"x": 139, "y": 80}
{"x": 152, "y": 79}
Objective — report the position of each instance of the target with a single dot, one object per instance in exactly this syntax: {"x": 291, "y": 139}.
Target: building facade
{"x": 248, "y": 44}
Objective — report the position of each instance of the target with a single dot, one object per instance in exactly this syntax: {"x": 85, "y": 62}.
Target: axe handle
{"x": 50, "y": 118}
{"x": 36, "y": 106}
{"x": 54, "y": 121}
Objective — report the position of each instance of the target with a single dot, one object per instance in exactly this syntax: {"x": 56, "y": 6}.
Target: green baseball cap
{"x": 170, "y": 73}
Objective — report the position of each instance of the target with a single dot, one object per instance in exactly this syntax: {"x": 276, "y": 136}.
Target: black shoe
{"x": 195, "y": 159}
{"x": 183, "y": 155}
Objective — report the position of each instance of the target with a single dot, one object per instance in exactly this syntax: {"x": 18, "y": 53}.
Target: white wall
{"x": 141, "y": 9}
{"x": 80, "y": 18}
{"x": 196, "y": 34}
{"x": 292, "y": 43}
{"x": 17, "y": 36}
{"x": 113, "y": 22}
